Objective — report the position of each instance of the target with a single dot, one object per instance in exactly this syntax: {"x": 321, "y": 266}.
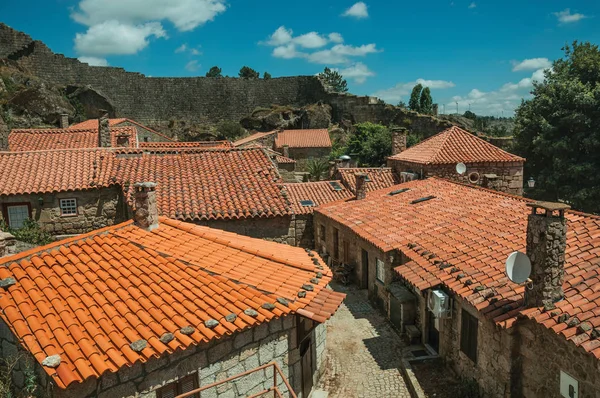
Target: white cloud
{"x": 287, "y": 51}
{"x": 531, "y": 64}
{"x": 280, "y": 36}
{"x": 94, "y": 61}
{"x": 565, "y": 16}
{"x": 310, "y": 40}
{"x": 476, "y": 94}
{"x": 336, "y": 37}
{"x": 472, "y": 5}
{"x": 357, "y": 72}
{"x": 113, "y": 37}
{"x": 358, "y": 10}
{"x": 339, "y": 53}
{"x": 182, "y": 48}
{"x": 185, "y": 48}
{"x": 186, "y": 15}
{"x": 192, "y": 66}
{"x": 538, "y": 75}
{"x": 395, "y": 94}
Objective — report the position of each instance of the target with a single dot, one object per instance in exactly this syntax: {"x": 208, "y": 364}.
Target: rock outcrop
{"x": 41, "y": 102}
{"x": 287, "y": 117}
{"x": 91, "y": 101}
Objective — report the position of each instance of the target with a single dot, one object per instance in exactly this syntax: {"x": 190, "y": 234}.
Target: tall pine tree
{"x": 425, "y": 102}
{"x": 414, "y": 103}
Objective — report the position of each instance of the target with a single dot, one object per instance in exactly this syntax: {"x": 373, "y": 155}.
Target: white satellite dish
{"x": 518, "y": 267}
{"x": 461, "y": 168}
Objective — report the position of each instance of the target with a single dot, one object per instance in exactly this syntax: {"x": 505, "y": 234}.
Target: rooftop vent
{"x": 335, "y": 185}
{"x": 397, "y": 191}
{"x": 426, "y": 198}
{"x": 307, "y": 203}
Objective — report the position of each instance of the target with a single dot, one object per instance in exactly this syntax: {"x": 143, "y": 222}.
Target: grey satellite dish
{"x": 461, "y": 168}
{"x": 518, "y": 267}
{"x": 344, "y": 157}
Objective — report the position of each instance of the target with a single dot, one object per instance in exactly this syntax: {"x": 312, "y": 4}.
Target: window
{"x": 322, "y": 233}
{"x": 146, "y": 139}
{"x": 179, "y": 387}
{"x": 380, "y": 271}
{"x": 68, "y": 207}
{"x": 307, "y": 203}
{"x": 346, "y": 252}
{"x": 336, "y": 244}
{"x": 468, "y": 335}
{"x": 16, "y": 214}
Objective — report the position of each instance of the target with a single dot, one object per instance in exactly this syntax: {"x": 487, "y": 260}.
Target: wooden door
{"x": 307, "y": 367}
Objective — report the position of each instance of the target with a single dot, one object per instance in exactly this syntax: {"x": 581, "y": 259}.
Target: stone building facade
{"x": 281, "y": 340}
{"x": 87, "y": 209}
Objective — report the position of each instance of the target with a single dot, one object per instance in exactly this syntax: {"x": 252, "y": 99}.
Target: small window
{"x": 307, "y": 203}
{"x": 146, "y": 139}
{"x": 16, "y": 214}
{"x": 322, "y": 233}
{"x": 468, "y": 335}
{"x": 68, "y": 207}
{"x": 380, "y": 271}
{"x": 181, "y": 386}
{"x": 335, "y": 185}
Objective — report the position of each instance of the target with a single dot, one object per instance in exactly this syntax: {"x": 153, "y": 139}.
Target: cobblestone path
{"x": 363, "y": 352}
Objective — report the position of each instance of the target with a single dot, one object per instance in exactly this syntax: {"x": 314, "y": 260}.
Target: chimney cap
{"x": 361, "y": 175}
{"x": 550, "y": 207}
{"x": 149, "y": 185}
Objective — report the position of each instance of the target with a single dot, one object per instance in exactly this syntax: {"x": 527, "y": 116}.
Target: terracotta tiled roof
{"x": 43, "y": 139}
{"x": 452, "y": 146}
{"x": 180, "y": 144}
{"x": 305, "y": 138}
{"x": 461, "y": 239}
{"x": 93, "y": 124}
{"x": 379, "y": 177}
{"x": 88, "y": 298}
{"x": 193, "y": 184}
{"x": 252, "y": 137}
{"x": 283, "y": 159}
{"x": 319, "y": 193}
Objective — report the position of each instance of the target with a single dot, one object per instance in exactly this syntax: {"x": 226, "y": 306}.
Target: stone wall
{"x": 215, "y": 361}
{"x": 509, "y": 174}
{"x": 543, "y": 355}
{"x": 303, "y": 155}
{"x": 304, "y": 230}
{"x": 144, "y": 134}
{"x": 95, "y": 209}
{"x": 279, "y": 229}
{"x": 8, "y": 244}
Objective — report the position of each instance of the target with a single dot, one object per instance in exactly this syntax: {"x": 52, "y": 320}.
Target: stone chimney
{"x": 64, "y": 121}
{"x": 398, "y": 140}
{"x": 546, "y": 244}
{"x": 286, "y": 151}
{"x": 361, "y": 185}
{"x": 103, "y": 130}
{"x": 146, "y": 212}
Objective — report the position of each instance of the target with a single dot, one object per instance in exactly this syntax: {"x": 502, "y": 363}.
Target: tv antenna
{"x": 461, "y": 168}
{"x": 518, "y": 267}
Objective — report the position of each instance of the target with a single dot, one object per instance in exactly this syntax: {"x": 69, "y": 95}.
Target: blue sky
{"x": 482, "y": 53}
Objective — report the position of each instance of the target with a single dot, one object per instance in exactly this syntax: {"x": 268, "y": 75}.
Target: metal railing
{"x": 273, "y": 389}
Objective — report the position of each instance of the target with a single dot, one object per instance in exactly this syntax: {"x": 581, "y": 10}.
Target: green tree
{"x": 229, "y": 130}
{"x": 248, "y": 73}
{"x": 317, "y": 169}
{"x": 266, "y": 75}
{"x": 334, "y": 80}
{"x": 414, "y": 103}
{"x": 372, "y": 144}
{"x": 426, "y": 102}
{"x": 215, "y": 71}
{"x": 402, "y": 104}
{"x": 470, "y": 115}
{"x": 557, "y": 130}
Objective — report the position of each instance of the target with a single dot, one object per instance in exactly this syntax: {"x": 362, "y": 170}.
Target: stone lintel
{"x": 549, "y": 207}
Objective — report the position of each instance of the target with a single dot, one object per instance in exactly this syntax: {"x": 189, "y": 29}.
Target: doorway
{"x": 433, "y": 331}
{"x": 364, "y": 266}
{"x": 307, "y": 366}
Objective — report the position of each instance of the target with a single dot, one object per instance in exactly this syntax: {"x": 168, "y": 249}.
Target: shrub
{"x": 31, "y": 232}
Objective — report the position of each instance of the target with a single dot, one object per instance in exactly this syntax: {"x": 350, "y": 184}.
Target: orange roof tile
{"x": 319, "y": 193}
{"x": 461, "y": 239}
{"x": 88, "y": 298}
{"x": 303, "y": 138}
{"x": 193, "y": 184}
{"x": 93, "y": 124}
{"x": 180, "y": 144}
{"x": 43, "y": 139}
{"x": 252, "y": 137}
{"x": 452, "y": 146}
{"x": 379, "y": 177}
{"x": 283, "y": 159}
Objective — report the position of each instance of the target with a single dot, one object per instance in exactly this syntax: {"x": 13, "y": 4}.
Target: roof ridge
{"x": 62, "y": 242}
{"x": 448, "y": 133}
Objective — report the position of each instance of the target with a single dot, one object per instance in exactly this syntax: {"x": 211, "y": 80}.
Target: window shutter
{"x": 169, "y": 391}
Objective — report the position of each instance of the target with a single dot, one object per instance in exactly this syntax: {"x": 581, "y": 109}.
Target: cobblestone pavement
{"x": 363, "y": 352}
